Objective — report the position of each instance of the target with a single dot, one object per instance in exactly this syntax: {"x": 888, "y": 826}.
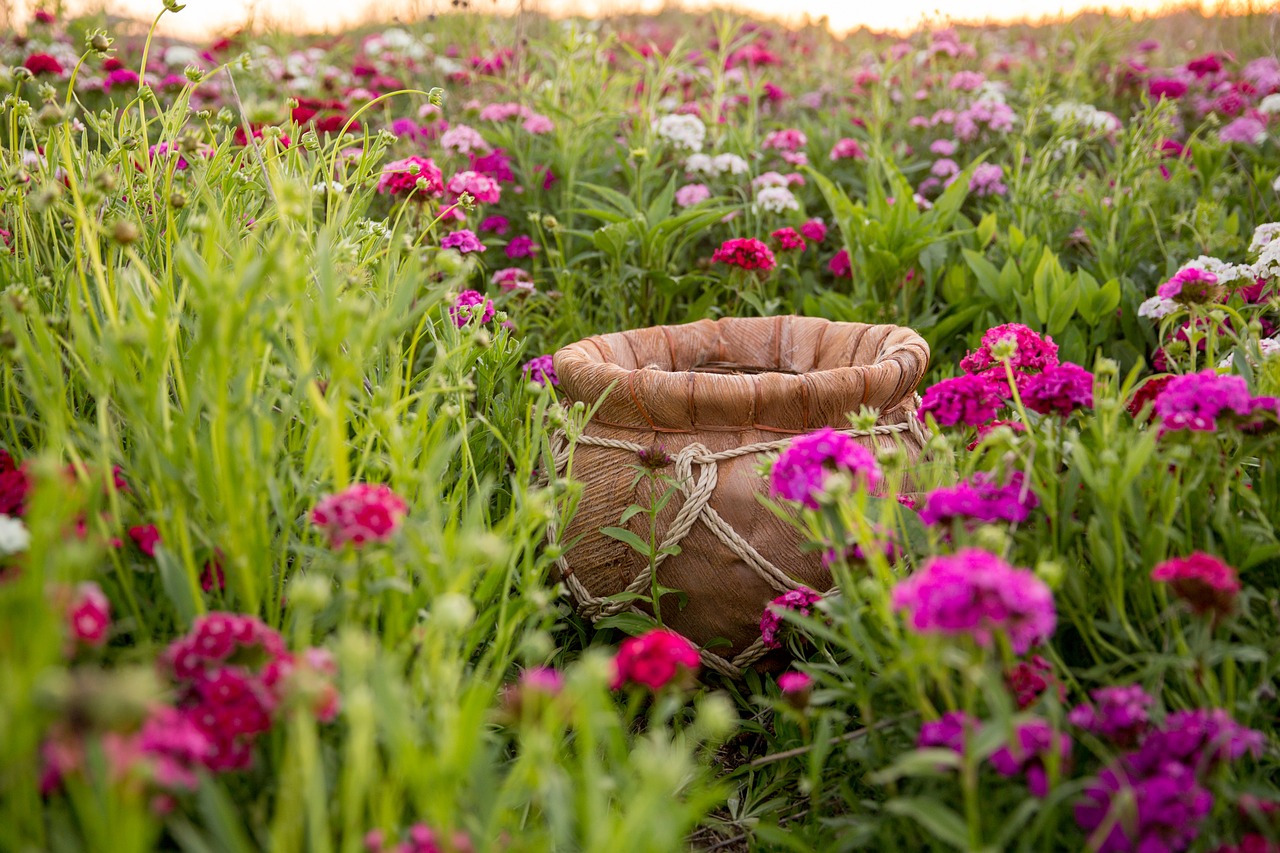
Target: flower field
{"x": 284, "y": 454}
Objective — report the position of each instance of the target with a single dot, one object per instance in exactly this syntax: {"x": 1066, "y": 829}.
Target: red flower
{"x": 788, "y": 239}
{"x": 42, "y": 63}
{"x": 147, "y": 537}
{"x": 1147, "y": 393}
{"x": 361, "y": 513}
{"x": 89, "y": 614}
{"x": 1202, "y": 580}
{"x": 654, "y": 660}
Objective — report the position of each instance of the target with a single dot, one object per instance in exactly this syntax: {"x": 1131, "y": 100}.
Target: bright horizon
{"x": 206, "y": 17}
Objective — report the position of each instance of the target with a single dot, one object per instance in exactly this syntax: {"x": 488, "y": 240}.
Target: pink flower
{"x": 840, "y": 266}
{"x": 815, "y": 231}
{"x": 1166, "y": 87}
{"x": 512, "y": 278}
{"x": 541, "y": 369}
{"x": 146, "y": 537}
{"x": 400, "y": 178}
{"x": 968, "y": 400}
{"x": 745, "y": 253}
{"x": 785, "y": 140}
{"x": 1246, "y": 130}
{"x": 1060, "y": 389}
{"x": 464, "y": 242}
{"x": 654, "y": 660}
{"x": 1190, "y": 285}
{"x": 484, "y": 189}
{"x": 847, "y": 149}
{"x": 495, "y": 225}
{"x": 788, "y": 239}
{"x": 1032, "y": 742}
{"x": 950, "y": 731}
{"x": 986, "y": 180}
{"x": 691, "y": 194}
{"x": 801, "y": 470}
{"x": 521, "y": 246}
{"x": 976, "y": 594}
{"x": 361, "y": 513}
{"x": 471, "y": 305}
{"x": 1197, "y": 400}
{"x": 176, "y": 747}
{"x": 1206, "y": 583}
{"x": 942, "y": 147}
{"x": 89, "y": 614}
{"x": 1033, "y": 352}
{"x": 793, "y": 682}
{"x": 797, "y": 601}
{"x": 980, "y": 499}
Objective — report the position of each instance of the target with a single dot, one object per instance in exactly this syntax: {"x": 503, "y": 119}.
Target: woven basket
{"x": 715, "y": 396}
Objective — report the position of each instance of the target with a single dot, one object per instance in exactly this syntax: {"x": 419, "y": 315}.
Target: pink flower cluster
{"x": 788, "y": 239}
{"x": 1060, "y": 389}
{"x": 541, "y": 369}
{"x": 654, "y": 660}
{"x": 232, "y": 673}
{"x": 976, "y": 594}
{"x": 360, "y": 514}
{"x": 1032, "y": 352}
{"x": 464, "y": 242}
{"x": 797, "y": 601}
{"x": 746, "y": 253}
{"x": 1032, "y": 743}
{"x": 88, "y": 614}
{"x": 968, "y": 400}
{"x": 981, "y": 499}
{"x": 801, "y": 470}
{"x": 1190, "y": 285}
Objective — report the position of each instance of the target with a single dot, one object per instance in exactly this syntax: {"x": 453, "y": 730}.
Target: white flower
{"x": 776, "y": 199}
{"x": 332, "y": 187}
{"x": 682, "y": 131}
{"x": 1085, "y": 115}
{"x": 1225, "y": 272}
{"x": 698, "y": 164}
{"x": 1270, "y": 105}
{"x": 396, "y": 39}
{"x": 1156, "y": 307}
{"x": 14, "y": 536}
{"x": 770, "y": 179}
{"x": 446, "y": 66}
{"x": 180, "y": 56}
{"x": 729, "y": 164}
{"x": 1275, "y": 185}
{"x": 1264, "y": 235}
{"x": 1268, "y": 347}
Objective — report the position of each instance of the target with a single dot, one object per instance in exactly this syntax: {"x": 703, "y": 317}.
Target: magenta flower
{"x": 1032, "y": 742}
{"x": 359, "y": 514}
{"x": 495, "y": 224}
{"x": 1190, "y": 285}
{"x": 801, "y": 470}
{"x": 950, "y": 731}
{"x": 792, "y": 683}
{"x": 1163, "y": 811}
{"x": 980, "y": 499}
{"x": 654, "y": 660}
{"x": 1121, "y": 714}
{"x": 1032, "y": 352}
{"x": 471, "y": 305}
{"x": 840, "y": 266}
{"x": 797, "y": 601}
{"x": 788, "y": 239}
{"x": 1166, "y": 87}
{"x": 965, "y": 399}
{"x": 484, "y": 189}
{"x": 976, "y": 594}
{"x": 746, "y": 253}
{"x": 541, "y": 369}
{"x": 847, "y": 149}
{"x": 1060, "y": 389}
{"x": 987, "y": 180}
{"x": 1197, "y": 400}
{"x": 89, "y": 614}
{"x": 521, "y": 246}
{"x": 1206, "y": 583}
{"x": 464, "y": 242}
{"x": 814, "y": 230}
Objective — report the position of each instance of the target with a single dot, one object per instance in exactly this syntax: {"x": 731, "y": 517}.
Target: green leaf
{"x": 631, "y": 513}
{"x": 626, "y": 536}
{"x": 627, "y": 622}
{"x": 178, "y": 586}
{"x": 938, "y": 819}
{"x": 918, "y": 762}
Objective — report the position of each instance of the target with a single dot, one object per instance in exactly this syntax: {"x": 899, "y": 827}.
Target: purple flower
{"x": 1201, "y": 739}
{"x": 464, "y": 241}
{"x": 1059, "y": 389}
{"x": 1032, "y": 741}
{"x": 471, "y": 305}
{"x": 980, "y": 499}
{"x": 1161, "y": 812}
{"x": 968, "y": 400}
{"x": 797, "y": 601}
{"x": 801, "y": 470}
{"x": 541, "y": 369}
{"x": 949, "y": 732}
{"x": 1245, "y": 130}
{"x": 1197, "y": 400}
{"x": 977, "y": 594}
{"x": 521, "y": 246}
{"x": 1120, "y": 714}
{"x": 495, "y": 224}
{"x": 986, "y": 180}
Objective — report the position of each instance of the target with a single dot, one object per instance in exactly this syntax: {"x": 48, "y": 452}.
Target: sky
{"x": 201, "y": 17}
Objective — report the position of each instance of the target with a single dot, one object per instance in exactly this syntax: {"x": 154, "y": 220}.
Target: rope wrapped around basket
{"x": 710, "y": 399}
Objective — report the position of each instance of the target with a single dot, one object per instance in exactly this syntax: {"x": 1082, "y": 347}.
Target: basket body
{"x": 715, "y": 397}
